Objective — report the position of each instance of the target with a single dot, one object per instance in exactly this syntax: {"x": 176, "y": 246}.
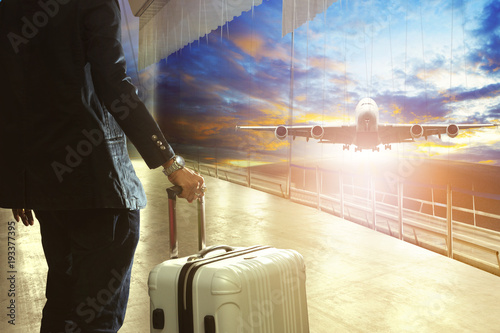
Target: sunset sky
{"x": 421, "y": 61}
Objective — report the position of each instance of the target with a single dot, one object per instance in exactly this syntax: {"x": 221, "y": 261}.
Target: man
{"x": 66, "y": 103}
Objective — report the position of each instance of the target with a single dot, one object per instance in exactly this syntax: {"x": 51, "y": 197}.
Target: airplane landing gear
{"x": 345, "y": 147}
{"x": 376, "y": 149}
{"x": 388, "y": 147}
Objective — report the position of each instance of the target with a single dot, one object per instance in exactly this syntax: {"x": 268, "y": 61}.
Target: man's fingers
{"x": 192, "y": 193}
{"x": 15, "y": 212}
{"x": 25, "y": 215}
{"x": 24, "y": 218}
{"x": 29, "y": 215}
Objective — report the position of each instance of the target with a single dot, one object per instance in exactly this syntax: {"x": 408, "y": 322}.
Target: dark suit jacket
{"x": 65, "y": 103}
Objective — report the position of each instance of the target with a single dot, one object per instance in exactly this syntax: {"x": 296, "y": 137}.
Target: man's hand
{"x": 192, "y": 183}
{"x": 24, "y": 214}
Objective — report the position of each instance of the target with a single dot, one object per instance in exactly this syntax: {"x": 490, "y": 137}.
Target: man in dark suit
{"x": 66, "y": 105}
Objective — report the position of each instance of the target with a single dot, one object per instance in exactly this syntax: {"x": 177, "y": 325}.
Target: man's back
{"x": 65, "y": 100}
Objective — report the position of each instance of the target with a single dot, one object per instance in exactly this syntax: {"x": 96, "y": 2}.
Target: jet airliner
{"x": 366, "y": 132}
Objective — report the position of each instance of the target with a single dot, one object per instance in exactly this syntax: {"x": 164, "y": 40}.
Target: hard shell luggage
{"x": 223, "y": 289}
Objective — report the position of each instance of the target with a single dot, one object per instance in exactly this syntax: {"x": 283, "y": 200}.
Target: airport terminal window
{"x": 248, "y": 73}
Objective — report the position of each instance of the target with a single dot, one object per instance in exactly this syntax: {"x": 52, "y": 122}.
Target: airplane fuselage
{"x": 367, "y": 119}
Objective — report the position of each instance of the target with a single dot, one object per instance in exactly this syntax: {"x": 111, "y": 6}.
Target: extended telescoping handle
{"x": 173, "y": 192}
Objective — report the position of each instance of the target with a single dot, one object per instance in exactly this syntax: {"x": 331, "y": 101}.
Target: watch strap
{"x": 173, "y": 167}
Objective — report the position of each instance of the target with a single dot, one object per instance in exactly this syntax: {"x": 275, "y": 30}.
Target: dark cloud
{"x": 430, "y": 104}
{"x": 488, "y": 91}
{"x": 478, "y": 153}
{"x": 493, "y": 113}
{"x": 487, "y": 56}
{"x": 414, "y": 108}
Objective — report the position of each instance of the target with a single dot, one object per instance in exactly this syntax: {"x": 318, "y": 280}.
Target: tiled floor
{"x": 358, "y": 280}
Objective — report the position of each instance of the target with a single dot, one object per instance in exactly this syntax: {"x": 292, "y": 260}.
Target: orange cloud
{"x": 235, "y": 55}
{"x": 433, "y": 74}
{"x": 395, "y": 109}
{"x": 301, "y": 98}
{"x": 327, "y": 64}
{"x": 491, "y": 61}
{"x": 251, "y": 45}
{"x": 420, "y": 119}
{"x": 275, "y": 145}
{"x": 275, "y": 113}
{"x": 318, "y": 118}
{"x": 431, "y": 148}
{"x": 213, "y": 88}
{"x": 206, "y": 128}
{"x": 188, "y": 78}
{"x": 257, "y": 47}
{"x": 341, "y": 81}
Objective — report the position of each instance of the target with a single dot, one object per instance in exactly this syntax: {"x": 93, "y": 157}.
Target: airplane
{"x": 366, "y": 132}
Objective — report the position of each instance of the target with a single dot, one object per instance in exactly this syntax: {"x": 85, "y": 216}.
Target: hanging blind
{"x": 166, "y": 26}
{"x": 298, "y": 12}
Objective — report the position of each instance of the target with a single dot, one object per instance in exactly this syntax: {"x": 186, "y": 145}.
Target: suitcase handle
{"x": 173, "y": 192}
{"x": 207, "y": 250}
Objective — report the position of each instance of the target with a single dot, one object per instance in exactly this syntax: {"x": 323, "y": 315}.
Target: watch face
{"x": 179, "y": 160}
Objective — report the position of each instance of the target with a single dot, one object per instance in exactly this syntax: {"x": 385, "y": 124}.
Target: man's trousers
{"x": 89, "y": 254}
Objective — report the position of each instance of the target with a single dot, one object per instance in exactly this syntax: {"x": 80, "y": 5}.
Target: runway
{"x": 358, "y": 280}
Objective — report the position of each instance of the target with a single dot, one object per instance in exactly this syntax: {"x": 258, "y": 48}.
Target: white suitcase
{"x": 222, "y": 289}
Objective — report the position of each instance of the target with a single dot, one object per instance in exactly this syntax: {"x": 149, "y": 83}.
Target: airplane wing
{"x": 326, "y": 134}
{"x": 394, "y": 133}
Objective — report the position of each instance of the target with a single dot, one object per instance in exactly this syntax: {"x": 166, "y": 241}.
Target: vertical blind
{"x": 298, "y": 12}
{"x": 166, "y": 26}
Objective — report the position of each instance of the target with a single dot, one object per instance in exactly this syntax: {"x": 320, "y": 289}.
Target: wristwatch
{"x": 179, "y": 163}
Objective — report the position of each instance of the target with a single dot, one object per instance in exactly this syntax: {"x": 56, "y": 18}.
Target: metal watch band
{"x": 174, "y": 167}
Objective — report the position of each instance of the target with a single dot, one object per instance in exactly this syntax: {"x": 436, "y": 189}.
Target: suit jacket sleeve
{"x": 102, "y": 37}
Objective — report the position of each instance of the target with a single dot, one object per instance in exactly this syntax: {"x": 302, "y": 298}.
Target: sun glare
{"x": 246, "y": 163}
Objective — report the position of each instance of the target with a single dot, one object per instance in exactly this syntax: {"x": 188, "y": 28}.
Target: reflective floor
{"x": 358, "y": 280}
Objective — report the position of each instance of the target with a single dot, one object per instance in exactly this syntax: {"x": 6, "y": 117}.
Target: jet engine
{"x": 452, "y": 130}
{"x": 317, "y": 132}
{"x": 281, "y": 132}
{"x": 416, "y": 131}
